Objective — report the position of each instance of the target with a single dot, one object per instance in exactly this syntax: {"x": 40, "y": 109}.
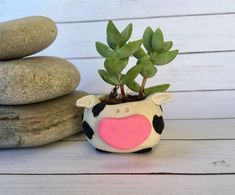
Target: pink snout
{"x": 124, "y": 133}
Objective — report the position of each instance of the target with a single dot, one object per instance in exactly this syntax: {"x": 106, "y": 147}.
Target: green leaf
{"x": 147, "y": 38}
{"x": 140, "y": 53}
{"x": 148, "y": 70}
{"x": 131, "y": 74}
{"x": 134, "y": 86}
{"x": 115, "y": 65}
{"x": 145, "y": 61}
{"x": 129, "y": 49}
{"x": 167, "y": 45}
{"x": 114, "y": 37}
{"x": 104, "y": 50}
{"x": 157, "y": 40}
{"x": 126, "y": 34}
{"x": 107, "y": 77}
{"x": 164, "y": 57}
{"x": 111, "y": 45}
{"x": 157, "y": 88}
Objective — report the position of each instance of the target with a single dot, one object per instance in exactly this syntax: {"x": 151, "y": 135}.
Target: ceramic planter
{"x": 123, "y": 128}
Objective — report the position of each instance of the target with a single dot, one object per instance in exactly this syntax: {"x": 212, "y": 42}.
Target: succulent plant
{"x": 156, "y": 52}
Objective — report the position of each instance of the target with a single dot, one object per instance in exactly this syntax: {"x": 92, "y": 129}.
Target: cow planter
{"x": 123, "y": 128}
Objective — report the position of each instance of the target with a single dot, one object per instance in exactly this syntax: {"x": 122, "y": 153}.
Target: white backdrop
{"x": 203, "y": 75}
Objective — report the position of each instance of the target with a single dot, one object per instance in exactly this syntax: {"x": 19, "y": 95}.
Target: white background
{"x": 202, "y": 77}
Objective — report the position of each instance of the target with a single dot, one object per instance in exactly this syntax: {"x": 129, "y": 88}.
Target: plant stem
{"x": 122, "y": 92}
{"x": 113, "y": 93}
{"x": 142, "y": 87}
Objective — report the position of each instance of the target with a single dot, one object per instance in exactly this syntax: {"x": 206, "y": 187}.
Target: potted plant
{"x": 128, "y": 122}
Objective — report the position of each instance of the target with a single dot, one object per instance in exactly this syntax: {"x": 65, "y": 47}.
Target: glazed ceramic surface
{"x": 123, "y": 128}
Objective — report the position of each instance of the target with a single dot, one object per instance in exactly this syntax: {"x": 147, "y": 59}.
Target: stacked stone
{"x": 37, "y": 94}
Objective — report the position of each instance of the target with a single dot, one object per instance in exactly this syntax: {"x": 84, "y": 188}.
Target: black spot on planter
{"x": 158, "y": 124}
{"x": 97, "y": 109}
{"x": 87, "y": 130}
{"x": 144, "y": 150}
{"x": 82, "y": 116}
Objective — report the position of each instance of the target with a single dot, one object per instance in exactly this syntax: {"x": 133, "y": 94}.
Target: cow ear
{"x": 87, "y": 101}
{"x": 159, "y": 98}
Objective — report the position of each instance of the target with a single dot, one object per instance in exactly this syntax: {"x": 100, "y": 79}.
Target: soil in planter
{"x": 113, "y": 98}
{"x": 128, "y": 98}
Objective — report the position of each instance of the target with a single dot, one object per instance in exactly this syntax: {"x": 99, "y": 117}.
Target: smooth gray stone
{"x": 26, "y": 36}
{"x": 40, "y": 123}
{"x": 35, "y": 79}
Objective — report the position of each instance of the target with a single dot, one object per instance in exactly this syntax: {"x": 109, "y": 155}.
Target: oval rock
{"x": 35, "y": 79}
{"x": 40, "y": 123}
{"x": 25, "y": 36}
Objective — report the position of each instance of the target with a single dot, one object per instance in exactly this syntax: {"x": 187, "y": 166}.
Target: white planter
{"x": 123, "y": 128}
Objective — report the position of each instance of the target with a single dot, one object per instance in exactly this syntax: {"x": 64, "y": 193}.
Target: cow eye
{"x": 117, "y": 111}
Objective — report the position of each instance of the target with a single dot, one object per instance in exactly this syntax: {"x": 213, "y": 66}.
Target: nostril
{"x": 126, "y": 110}
{"x": 117, "y": 111}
